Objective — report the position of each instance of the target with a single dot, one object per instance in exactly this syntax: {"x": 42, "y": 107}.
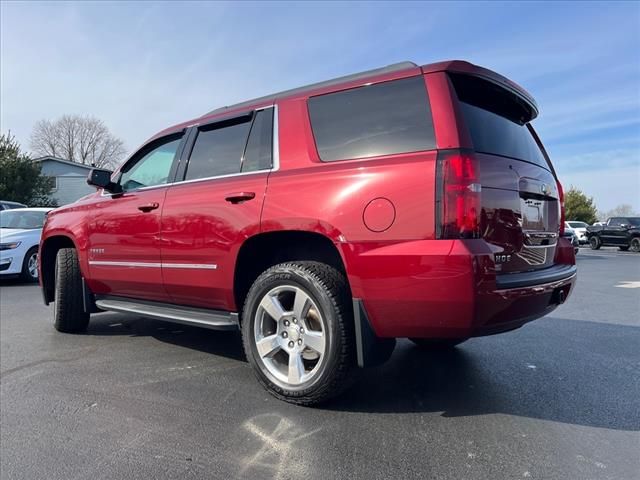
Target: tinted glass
{"x": 493, "y": 133}
{"x": 635, "y": 221}
{"x": 259, "y": 151}
{"x": 615, "y": 222}
{"x": 152, "y": 168}
{"x": 381, "y": 119}
{"x": 218, "y": 151}
{"x": 21, "y": 219}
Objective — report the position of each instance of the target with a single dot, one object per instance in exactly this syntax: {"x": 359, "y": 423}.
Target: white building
{"x": 69, "y": 179}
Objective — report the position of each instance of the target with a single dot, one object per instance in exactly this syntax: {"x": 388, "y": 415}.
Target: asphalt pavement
{"x": 139, "y": 398}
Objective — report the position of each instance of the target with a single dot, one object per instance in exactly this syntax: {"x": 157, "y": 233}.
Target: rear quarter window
{"x": 381, "y": 119}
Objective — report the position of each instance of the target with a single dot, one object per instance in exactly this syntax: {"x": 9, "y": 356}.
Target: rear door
{"x": 215, "y": 208}
{"x": 614, "y": 232}
{"x": 520, "y": 210}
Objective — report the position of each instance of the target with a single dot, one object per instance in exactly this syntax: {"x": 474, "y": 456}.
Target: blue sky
{"x": 143, "y": 66}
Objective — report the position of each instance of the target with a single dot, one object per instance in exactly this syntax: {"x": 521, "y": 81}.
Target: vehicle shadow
{"x": 225, "y": 343}
{"x": 537, "y": 373}
{"x": 559, "y": 381}
{"x": 15, "y": 281}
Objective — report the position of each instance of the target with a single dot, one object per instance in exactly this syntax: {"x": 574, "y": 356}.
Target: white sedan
{"x": 20, "y": 231}
{"x": 580, "y": 229}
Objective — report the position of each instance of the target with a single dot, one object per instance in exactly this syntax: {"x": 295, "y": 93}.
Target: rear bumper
{"x": 522, "y": 280}
{"x": 449, "y": 288}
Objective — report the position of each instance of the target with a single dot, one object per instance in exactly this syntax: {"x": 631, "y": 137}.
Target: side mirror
{"x": 102, "y": 179}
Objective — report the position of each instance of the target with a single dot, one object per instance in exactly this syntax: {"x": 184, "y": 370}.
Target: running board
{"x": 199, "y": 317}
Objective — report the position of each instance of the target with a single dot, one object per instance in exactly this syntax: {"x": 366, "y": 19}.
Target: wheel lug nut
{"x": 286, "y": 323}
{"x": 285, "y": 334}
{"x": 295, "y": 320}
{"x": 299, "y": 341}
{"x": 301, "y": 330}
{"x": 291, "y": 344}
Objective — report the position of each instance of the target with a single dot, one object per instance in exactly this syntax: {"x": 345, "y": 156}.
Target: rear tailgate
{"x": 520, "y": 211}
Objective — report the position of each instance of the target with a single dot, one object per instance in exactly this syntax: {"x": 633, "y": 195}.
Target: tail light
{"x": 459, "y": 190}
{"x": 561, "y": 202}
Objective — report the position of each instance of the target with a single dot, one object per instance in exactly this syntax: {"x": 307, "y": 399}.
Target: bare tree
{"x": 623, "y": 210}
{"x": 85, "y": 140}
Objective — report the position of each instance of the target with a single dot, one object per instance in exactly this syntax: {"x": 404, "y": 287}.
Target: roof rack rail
{"x": 327, "y": 83}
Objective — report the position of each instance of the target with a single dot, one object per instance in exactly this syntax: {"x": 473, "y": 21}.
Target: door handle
{"x": 239, "y": 197}
{"x": 148, "y": 207}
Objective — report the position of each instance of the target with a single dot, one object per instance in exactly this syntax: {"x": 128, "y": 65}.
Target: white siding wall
{"x": 71, "y": 189}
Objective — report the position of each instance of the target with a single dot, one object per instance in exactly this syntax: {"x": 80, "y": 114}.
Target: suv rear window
{"x": 496, "y": 120}
{"x": 381, "y": 119}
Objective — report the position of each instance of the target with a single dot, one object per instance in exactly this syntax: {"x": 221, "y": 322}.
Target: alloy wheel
{"x": 290, "y": 335}
{"x": 32, "y": 265}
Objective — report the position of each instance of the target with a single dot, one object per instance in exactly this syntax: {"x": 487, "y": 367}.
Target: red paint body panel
{"x": 411, "y": 284}
{"x": 122, "y": 233}
{"x": 200, "y": 227}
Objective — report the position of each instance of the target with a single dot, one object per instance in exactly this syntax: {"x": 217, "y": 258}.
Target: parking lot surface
{"x": 138, "y": 398}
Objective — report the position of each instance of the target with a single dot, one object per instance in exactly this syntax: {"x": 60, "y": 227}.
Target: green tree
{"x": 20, "y": 178}
{"x": 579, "y": 207}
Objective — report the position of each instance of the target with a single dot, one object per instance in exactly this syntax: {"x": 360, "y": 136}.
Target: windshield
{"x": 578, "y": 225}
{"x": 21, "y": 220}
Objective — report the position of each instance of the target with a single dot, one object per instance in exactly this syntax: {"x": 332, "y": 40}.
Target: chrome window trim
{"x": 229, "y": 175}
{"x": 275, "y": 161}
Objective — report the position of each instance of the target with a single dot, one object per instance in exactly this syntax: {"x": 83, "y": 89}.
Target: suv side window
{"x": 259, "y": 152}
{"x": 381, "y": 119}
{"x": 218, "y": 149}
{"x": 153, "y": 165}
{"x": 615, "y": 222}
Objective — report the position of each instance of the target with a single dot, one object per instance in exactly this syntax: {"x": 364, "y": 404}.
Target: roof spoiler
{"x": 466, "y": 68}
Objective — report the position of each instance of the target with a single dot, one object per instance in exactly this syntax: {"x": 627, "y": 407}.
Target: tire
{"x": 594, "y": 243}
{"x": 634, "y": 245}
{"x": 30, "y": 266}
{"x": 623, "y": 249}
{"x": 68, "y": 311}
{"x": 301, "y": 316}
{"x": 438, "y": 343}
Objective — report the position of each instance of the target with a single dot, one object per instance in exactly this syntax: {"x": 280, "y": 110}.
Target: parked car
{"x": 580, "y": 229}
{"x": 621, "y": 232}
{"x": 325, "y": 222}
{"x": 20, "y": 230}
{"x": 6, "y": 205}
{"x": 570, "y": 234}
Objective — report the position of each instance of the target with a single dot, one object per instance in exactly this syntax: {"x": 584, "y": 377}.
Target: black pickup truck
{"x": 621, "y": 232}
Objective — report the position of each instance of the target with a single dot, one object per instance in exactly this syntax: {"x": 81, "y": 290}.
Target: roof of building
{"x": 62, "y": 160}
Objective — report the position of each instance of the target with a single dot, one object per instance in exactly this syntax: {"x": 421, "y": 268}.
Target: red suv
{"x": 326, "y": 221}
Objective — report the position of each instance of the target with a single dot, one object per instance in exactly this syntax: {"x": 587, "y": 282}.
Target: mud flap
{"x": 88, "y": 299}
{"x": 371, "y": 350}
